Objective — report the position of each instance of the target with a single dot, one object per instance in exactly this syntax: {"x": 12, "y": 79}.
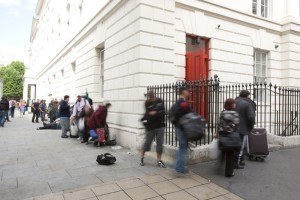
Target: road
{"x": 278, "y": 178}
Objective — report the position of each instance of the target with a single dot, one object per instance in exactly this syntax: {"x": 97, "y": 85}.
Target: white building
{"x": 114, "y": 49}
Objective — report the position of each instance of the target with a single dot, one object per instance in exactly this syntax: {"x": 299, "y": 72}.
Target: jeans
{"x": 181, "y": 154}
{"x": 12, "y": 112}
{"x": 65, "y": 125}
{"x": 35, "y": 116}
{"x": 7, "y": 115}
{"x": 43, "y": 115}
{"x": 2, "y": 117}
{"x": 93, "y": 134}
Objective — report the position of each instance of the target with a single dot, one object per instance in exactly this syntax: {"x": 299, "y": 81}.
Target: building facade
{"x": 114, "y": 49}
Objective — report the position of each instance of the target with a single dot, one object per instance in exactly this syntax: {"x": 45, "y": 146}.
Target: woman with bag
{"x": 229, "y": 140}
{"x": 98, "y": 126}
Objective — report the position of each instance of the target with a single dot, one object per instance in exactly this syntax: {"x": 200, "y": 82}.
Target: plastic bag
{"x": 214, "y": 151}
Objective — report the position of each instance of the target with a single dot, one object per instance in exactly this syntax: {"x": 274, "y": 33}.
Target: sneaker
{"x": 161, "y": 164}
{"x": 79, "y": 138}
{"x": 242, "y": 163}
{"x": 64, "y": 136}
{"x": 238, "y": 166}
{"x": 142, "y": 162}
{"x": 91, "y": 139}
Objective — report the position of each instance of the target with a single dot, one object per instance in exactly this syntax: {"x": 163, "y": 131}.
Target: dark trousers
{"x": 86, "y": 134}
{"x": 12, "y": 112}
{"x": 35, "y": 116}
{"x": 229, "y": 162}
{"x": 6, "y": 115}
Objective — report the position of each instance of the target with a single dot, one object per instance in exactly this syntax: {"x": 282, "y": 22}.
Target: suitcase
{"x": 258, "y": 144}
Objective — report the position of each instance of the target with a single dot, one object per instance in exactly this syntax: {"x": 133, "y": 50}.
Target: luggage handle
{"x": 258, "y": 133}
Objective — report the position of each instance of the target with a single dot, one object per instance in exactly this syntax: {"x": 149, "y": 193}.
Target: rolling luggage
{"x": 258, "y": 144}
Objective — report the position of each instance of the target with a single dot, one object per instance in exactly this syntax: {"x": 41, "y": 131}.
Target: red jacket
{"x": 98, "y": 118}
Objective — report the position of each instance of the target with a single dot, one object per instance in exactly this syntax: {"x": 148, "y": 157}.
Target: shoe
{"x": 242, "y": 163}
{"x": 64, "y": 136}
{"x": 142, "y": 162}
{"x": 91, "y": 139}
{"x": 83, "y": 141}
{"x": 238, "y": 166}
{"x": 79, "y": 138}
{"x": 186, "y": 171}
{"x": 231, "y": 175}
{"x": 86, "y": 143}
{"x": 161, "y": 164}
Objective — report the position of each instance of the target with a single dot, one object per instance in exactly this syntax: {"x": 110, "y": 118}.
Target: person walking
{"x": 64, "y": 114}
{"x": 12, "y": 107}
{"x": 35, "y": 111}
{"x": 2, "y": 111}
{"x": 228, "y": 124}
{"x": 154, "y": 121}
{"x": 181, "y": 108}
{"x": 78, "y": 107}
{"x": 246, "y": 110}
{"x": 6, "y": 109}
{"x": 43, "y": 110}
{"x": 22, "y": 107}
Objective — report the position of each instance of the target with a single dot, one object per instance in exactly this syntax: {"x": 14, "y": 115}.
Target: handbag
{"x": 101, "y": 134}
{"x": 106, "y": 159}
{"x": 229, "y": 141}
{"x": 81, "y": 124}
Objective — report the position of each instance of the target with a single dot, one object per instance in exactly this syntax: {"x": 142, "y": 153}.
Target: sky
{"x": 15, "y": 24}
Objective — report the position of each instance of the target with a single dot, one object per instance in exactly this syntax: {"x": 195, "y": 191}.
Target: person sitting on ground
{"x": 98, "y": 121}
{"x": 54, "y": 125}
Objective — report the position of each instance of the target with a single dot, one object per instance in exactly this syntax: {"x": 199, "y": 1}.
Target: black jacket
{"x": 64, "y": 109}
{"x": 246, "y": 112}
{"x": 152, "y": 122}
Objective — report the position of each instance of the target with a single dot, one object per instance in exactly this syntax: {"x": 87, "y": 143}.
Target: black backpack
{"x": 106, "y": 159}
{"x": 193, "y": 125}
{"x": 173, "y": 113}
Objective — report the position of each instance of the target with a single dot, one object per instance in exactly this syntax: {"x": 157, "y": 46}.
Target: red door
{"x": 196, "y": 65}
{"x": 197, "y": 70}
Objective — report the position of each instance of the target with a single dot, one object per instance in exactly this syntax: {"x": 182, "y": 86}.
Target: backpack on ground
{"x": 193, "y": 125}
{"x": 106, "y": 159}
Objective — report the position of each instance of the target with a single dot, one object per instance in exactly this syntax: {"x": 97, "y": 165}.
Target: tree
{"x": 12, "y": 76}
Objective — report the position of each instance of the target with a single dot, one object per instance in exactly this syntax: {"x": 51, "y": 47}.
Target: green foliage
{"x": 12, "y": 76}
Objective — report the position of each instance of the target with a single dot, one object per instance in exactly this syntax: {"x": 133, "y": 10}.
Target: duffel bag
{"x": 106, "y": 159}
{"x": 193, "y": 125}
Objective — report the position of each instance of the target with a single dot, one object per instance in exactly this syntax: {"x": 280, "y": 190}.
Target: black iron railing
{"x": 277, "y": 108}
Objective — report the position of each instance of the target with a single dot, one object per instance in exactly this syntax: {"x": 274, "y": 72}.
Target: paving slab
{"x": 42, "y": 166}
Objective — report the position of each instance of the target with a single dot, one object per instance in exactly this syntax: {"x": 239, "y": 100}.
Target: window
{"x": 261, "y": 8}
{"x": 260, "y": 74}
{"x": 102, "y": 73}
{"x": 260, "y": 67}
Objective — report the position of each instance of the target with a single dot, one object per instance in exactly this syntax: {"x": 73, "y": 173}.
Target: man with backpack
{"x": 179, "y": 109}
{"x": 78, "y": 107}
{"x": 154, "y": 121}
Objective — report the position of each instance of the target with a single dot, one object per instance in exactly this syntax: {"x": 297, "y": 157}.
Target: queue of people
{"x": 8, "y": 108}
{"x": 237, "y": 118}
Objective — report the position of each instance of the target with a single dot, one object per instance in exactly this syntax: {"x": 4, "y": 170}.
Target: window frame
{"x": 262, "y": 77}
{"x": 261, "y": 5}
{"x": 101, "y": 56}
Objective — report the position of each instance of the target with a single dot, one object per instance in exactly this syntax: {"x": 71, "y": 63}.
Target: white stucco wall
{"x": 144, "y": 42}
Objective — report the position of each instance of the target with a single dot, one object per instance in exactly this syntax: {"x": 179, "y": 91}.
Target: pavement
{"x": 38, "y": 164}
{"x": 278, "y": 178}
